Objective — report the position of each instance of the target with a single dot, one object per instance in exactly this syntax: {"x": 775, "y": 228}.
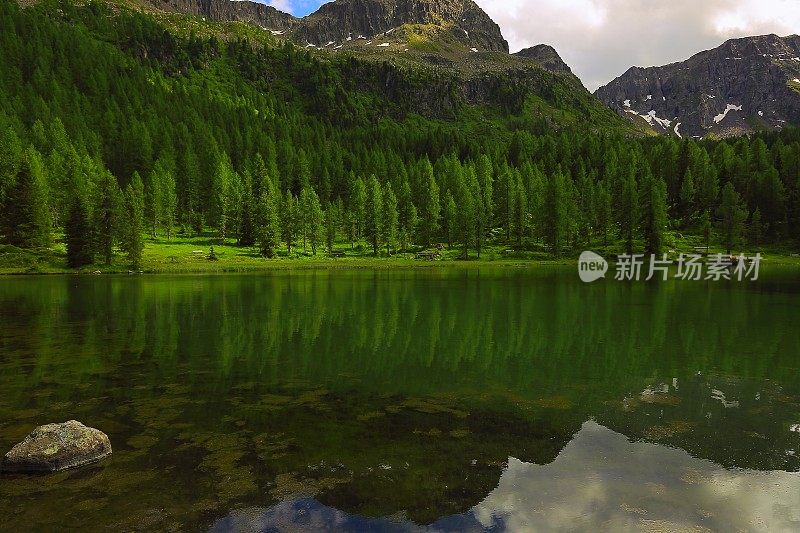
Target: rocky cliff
{"x": 229, "y": 10}
{"x": 742, "y": 86}
{"x": 546, "y": 56}
{"x": 349, "y": 19}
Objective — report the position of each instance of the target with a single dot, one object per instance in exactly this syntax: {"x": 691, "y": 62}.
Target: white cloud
{"x": 601, "y": 39}
{"x": 283, "y": 5}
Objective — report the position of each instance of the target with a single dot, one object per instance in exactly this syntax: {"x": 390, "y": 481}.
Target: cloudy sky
{"x": 601, "y": 39}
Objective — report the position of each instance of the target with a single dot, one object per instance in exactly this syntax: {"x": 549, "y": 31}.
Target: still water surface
{"x": 441, "y": 399}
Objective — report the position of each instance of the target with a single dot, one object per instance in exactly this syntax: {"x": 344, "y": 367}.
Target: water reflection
{"x": 600, "y": 480}
{"x": 383, "y": 393}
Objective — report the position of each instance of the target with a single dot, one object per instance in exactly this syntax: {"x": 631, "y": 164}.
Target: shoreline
{"x": 274, "y": 265}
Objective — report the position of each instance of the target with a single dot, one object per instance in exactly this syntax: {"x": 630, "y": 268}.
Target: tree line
{"x": 112, "y": 128}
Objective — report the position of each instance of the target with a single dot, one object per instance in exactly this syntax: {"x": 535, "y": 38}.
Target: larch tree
{"x": 26, "y": 215}
{"x": 732, "y": 214}
{"x": 132, "y": 241}
{"x": 374, "y": 213}
{"x": 390, "y": 218}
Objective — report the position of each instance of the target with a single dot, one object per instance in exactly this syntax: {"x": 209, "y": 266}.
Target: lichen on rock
{"x": 55, "y": 447}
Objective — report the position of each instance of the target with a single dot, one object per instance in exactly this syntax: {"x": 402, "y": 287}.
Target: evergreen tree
{"x": 106, "y": 223}
{"x": 756, "y": 228}
{"x": 26, "y": 216}
{"x": 732, "y": 214}
{"x": 390, "y": 218}
{"x": 407, "y": 215}
{"x": 268, "y": 227}
{"x": 449, "y": 217}
{"x": 358, "y": 208}
{"x": 603, "y": 206}
{"x": 556, "y": 213}
{"x": 486, "y": 179}
{"x": 222, "y": 196}
{"x": 374, "y": 214}
{"x": 78, "y": 234}
{"x": 289, "y": 220}
{"x": 654, "y": 213}
{"x": 133, "y": 244}
{"x": 629, "y": 211}
{"x": 332, "y": 221}
{"x": 430, "y": 208}
{"x": 247, "y": 222}
{"x": 520, "y": 209}
{"x": 687, "y": 196}
{"x": 314, "y": 219}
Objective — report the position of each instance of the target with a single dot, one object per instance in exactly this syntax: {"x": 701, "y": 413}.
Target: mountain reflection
{"x": 397, "y": 393}
{"x": 600, "y": 480}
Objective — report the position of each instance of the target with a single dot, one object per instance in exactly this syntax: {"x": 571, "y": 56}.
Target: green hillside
{"x": 117, "y": 124}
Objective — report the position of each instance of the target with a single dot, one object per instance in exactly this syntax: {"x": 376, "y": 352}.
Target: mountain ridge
{"x": 744, "y": 85}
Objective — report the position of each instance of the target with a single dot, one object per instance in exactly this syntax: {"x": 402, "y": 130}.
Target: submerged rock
{"x": 55, "y": 447}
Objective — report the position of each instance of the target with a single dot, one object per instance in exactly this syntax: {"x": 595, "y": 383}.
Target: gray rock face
{"x": 230, "y": 10}
{"x": 342, "y": 19}
{"x": 546, "y": 56}
{"x": 744, "y": 85}
{"x": 336, "y": 21}
{"x": 56, "y": 447}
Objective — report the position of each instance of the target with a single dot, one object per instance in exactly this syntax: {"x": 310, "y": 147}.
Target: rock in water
{"x": 55, "y": 447}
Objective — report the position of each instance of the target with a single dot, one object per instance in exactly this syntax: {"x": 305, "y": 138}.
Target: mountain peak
{"x": 546, "y": 56}
{"x": 348, "y": 19}
{"x": 744, "y": 85}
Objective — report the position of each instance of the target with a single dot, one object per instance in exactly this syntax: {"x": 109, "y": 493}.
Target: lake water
{"x": 449, "y": 399}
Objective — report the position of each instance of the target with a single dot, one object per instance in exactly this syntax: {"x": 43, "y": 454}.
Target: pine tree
{"x": 247, "y": 222}
{"x": 629, "y": 210}
{"x": 603, "y": 206}
{"x": 430, "y": 208}
{"x": 732, "y": 213}
{"x": 268, "y": 225}
{"x": 134, "y": 221}
{"x": 486, "y": 179}
{"x": 78, "y": 234}
{"x": 687, "y": 196}
{"x": 449, "y": 217}
{"x": 520, "y": 204}
{"x": 407, "y": 215}
{"x": 654, "y": 213}
{"x": 10, "y": 160}
{"x": 556, "y": 213}
{"x": 374, "y": 213}
{"x": 222, "y": 192}
{"x": 169, "y": 201}
{"x": 154, "y": 202}
{"x": 358, "y": 208}
{"x": 756, "y": 228}
{"x": 390, "y": 218}
{"x": 314, "y": 218}
{"x": 289, "y": 220}
{"x": 332, "y": 221}
{"x": 106, "y": 223}
{"x": 26, "y": 216}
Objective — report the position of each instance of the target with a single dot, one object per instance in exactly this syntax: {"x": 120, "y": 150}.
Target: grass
{"x": 190, "y": 254}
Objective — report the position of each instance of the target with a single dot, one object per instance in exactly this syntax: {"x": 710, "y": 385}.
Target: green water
{"x": 516, "y": 399}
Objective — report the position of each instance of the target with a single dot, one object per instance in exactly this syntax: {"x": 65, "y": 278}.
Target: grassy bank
{"x": 193, "y": 255}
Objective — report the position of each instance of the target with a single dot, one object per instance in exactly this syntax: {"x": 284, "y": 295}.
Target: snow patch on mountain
{"x": 731, "y": 107}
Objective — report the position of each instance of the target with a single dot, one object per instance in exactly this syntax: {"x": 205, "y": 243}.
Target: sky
{"x": 601, "y": 39}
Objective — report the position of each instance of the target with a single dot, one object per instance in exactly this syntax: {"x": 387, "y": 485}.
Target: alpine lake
{"x": 444, "y": 399}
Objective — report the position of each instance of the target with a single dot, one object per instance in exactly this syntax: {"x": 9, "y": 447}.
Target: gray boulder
{"x": 56, "y": 447}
